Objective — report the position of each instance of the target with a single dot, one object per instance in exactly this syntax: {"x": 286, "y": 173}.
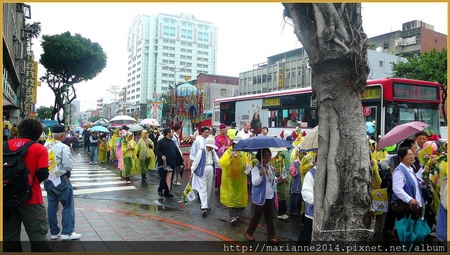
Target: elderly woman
{"x": 264, "y": 186}
{"x": 146, "y": 154}
{"x": 130, "y": 161}
{"x": 203, "y": 167}
{"x": 407, "y": 197}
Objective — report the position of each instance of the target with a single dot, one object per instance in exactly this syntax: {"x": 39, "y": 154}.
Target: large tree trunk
{"x": 334, "y": 40}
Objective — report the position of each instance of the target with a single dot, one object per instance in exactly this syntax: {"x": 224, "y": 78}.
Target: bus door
{"x": 372, "y": 121}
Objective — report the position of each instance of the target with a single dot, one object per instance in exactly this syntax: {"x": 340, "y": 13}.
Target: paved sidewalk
{"x": 139, "y": 220}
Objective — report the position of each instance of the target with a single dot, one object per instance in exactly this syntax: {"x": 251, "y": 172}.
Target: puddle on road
{"x": 152, "y": 207}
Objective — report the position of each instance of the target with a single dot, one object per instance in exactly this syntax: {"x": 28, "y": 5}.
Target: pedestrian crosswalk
{"x": 89, "y": 179}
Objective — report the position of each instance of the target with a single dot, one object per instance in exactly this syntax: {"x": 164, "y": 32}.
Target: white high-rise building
{"x": 162, "y": 50}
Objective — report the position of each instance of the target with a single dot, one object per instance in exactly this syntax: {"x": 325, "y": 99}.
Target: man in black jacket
{"x": 168, "y": 154}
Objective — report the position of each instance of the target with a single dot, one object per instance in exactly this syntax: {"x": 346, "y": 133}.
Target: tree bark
{"x": 334, "y": 40}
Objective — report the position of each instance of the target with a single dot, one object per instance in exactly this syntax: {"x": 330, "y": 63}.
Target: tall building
{"x": 415, "y": 37}
{"x": 162, "y": 50}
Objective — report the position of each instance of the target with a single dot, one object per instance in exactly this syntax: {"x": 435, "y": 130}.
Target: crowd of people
{"x": 279, "y": 184}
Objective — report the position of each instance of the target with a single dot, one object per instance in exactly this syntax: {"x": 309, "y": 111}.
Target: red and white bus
{"x": 386, "y": 103}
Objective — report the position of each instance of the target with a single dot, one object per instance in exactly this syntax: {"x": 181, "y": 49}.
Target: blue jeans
{"x": 63, "y": 194}
{"x": 93, "y": 153}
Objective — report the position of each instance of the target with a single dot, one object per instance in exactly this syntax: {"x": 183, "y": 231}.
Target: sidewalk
{"x": 140, "y": 220}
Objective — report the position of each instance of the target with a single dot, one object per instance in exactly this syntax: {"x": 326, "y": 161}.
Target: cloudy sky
{"x": 248, "y": 32}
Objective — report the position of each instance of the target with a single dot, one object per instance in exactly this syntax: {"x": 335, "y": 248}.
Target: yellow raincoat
{"x": 233, "y": 187}
{"x": 130, "y": 160}
{"x": 112, "y": 144}
{"x": 146, "y": 153}
{"x": 103, "y": 151}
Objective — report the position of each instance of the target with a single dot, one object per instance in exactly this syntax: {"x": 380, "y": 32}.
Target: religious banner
{"x": 154, "y": 108}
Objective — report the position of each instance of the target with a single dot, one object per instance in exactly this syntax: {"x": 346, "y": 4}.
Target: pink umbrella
{"x": 401, "y": 132}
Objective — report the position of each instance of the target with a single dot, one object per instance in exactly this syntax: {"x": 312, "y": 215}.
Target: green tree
{"x": 44, "y": 112}
{"x": 69, "y": 60}
{"x": 333, "y": 37}
{"x": 428, "y": 66}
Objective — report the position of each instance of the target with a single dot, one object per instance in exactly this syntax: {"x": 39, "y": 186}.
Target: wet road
{"x": 108, "y": 209}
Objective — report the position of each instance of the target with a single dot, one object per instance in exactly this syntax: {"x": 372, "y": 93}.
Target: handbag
{"x": 400, "y": 207}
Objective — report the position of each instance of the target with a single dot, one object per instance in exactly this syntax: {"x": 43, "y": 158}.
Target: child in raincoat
{"x": 130, "y": 160}
{"x": 146, "y": 154}
{"x": 103, "y": 149}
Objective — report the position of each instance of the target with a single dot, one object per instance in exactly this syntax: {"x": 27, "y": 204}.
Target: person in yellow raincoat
{"x": 374, "y": 156}
{"x": 103, "y": 149}
{"x": 233, "y": 186}
{"x": 146, "y": 154}
{"x": 130, "y": 160}
{"x": 112, "y": 145}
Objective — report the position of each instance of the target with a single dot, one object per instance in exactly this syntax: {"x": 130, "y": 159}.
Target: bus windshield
{"x": 403, "y": 113}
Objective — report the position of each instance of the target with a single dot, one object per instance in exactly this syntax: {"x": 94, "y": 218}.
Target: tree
{"x": 428, "y": 66}
{"x": 69, "y": 60}
{"x": 44, "y": 112}
{"x": 333, "y": 37}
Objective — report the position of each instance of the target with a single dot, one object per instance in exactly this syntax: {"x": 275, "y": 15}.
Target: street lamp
{"x": 175, "y": 70}
{"x": 114, "y": 90}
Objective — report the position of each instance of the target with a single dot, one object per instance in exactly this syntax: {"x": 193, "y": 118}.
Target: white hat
{"x": 237, "y": 139}
{"x": 211, "y": 143}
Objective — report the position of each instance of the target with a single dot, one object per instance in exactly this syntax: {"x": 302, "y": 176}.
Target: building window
{"x": 223, "y": 92}
{"x": 386, "y": 45}
{"x": 380, "y": 63}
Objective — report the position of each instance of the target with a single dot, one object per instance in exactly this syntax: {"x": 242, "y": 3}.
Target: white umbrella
{"x": 135, "y": 128}
{"x": 311, "y": 141}
{"x": 151, "y": 122}
{"x": 122, "y": 117}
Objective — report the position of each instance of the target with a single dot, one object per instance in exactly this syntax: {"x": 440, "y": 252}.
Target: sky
{"x": 248, "y": 33}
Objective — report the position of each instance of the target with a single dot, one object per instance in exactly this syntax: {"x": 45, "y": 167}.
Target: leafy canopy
{"x": 429, "y": 66}
{"x": 72, "y": 58}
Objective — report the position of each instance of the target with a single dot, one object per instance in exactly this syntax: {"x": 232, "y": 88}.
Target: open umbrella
{"x": 401, "y": 132}
{"x": 102, "y": 122}
{"x": 311, "y": 141}
{"x": 135, "y": 128}
{"x": 256, "y": 143}
{"x": 150, "y": 122}
{"x": 99, "y": 129}
{"x": 121, "y": 120}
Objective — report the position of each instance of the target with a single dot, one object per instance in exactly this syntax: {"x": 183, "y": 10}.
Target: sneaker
{"x": 233, "y": 220}
{"x": 283, "y": 217}
{"x": 167, "y": 194}
{"x": 72, "y": 236}
{"x": 54, "y": 237}
{"x": 177, "y": 183}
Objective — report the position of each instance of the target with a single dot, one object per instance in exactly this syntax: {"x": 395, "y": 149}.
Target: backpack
{"x": 17, "y": 180}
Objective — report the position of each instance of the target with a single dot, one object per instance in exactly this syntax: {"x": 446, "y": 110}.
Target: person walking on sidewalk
{"x": 264, "y": 186}
{"x": 130, "y": 160}
{"x": 178, "y": 172}
{"x": 203, "y": 167}
{"x": 233, "y": 187}
{"x": 62, "y": 192}
{"x": 31, "y": 212}
{"x": 146, "y": 154}
{"x": 167, "y": 153}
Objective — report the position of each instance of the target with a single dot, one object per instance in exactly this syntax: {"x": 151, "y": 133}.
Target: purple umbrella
{"x": 401, "y": 132}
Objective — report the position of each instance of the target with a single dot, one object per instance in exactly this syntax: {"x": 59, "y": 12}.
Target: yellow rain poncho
{"x": 146, "y": 153}
{"x": 233, "y": 187}
{"x": 130, "y": 160}
{"x": 112, "y": 144}
{"x": 103, "y": 149}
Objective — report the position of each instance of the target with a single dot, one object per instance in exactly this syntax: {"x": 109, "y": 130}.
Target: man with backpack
{"x": 61, "y": 192}
{"x": 22, "y": 197}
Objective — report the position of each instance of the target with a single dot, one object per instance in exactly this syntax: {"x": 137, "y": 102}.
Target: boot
{"x": 144, "y": 176}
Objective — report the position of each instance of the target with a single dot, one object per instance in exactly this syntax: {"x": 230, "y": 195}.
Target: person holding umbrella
{"x": 264, "y": 186}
